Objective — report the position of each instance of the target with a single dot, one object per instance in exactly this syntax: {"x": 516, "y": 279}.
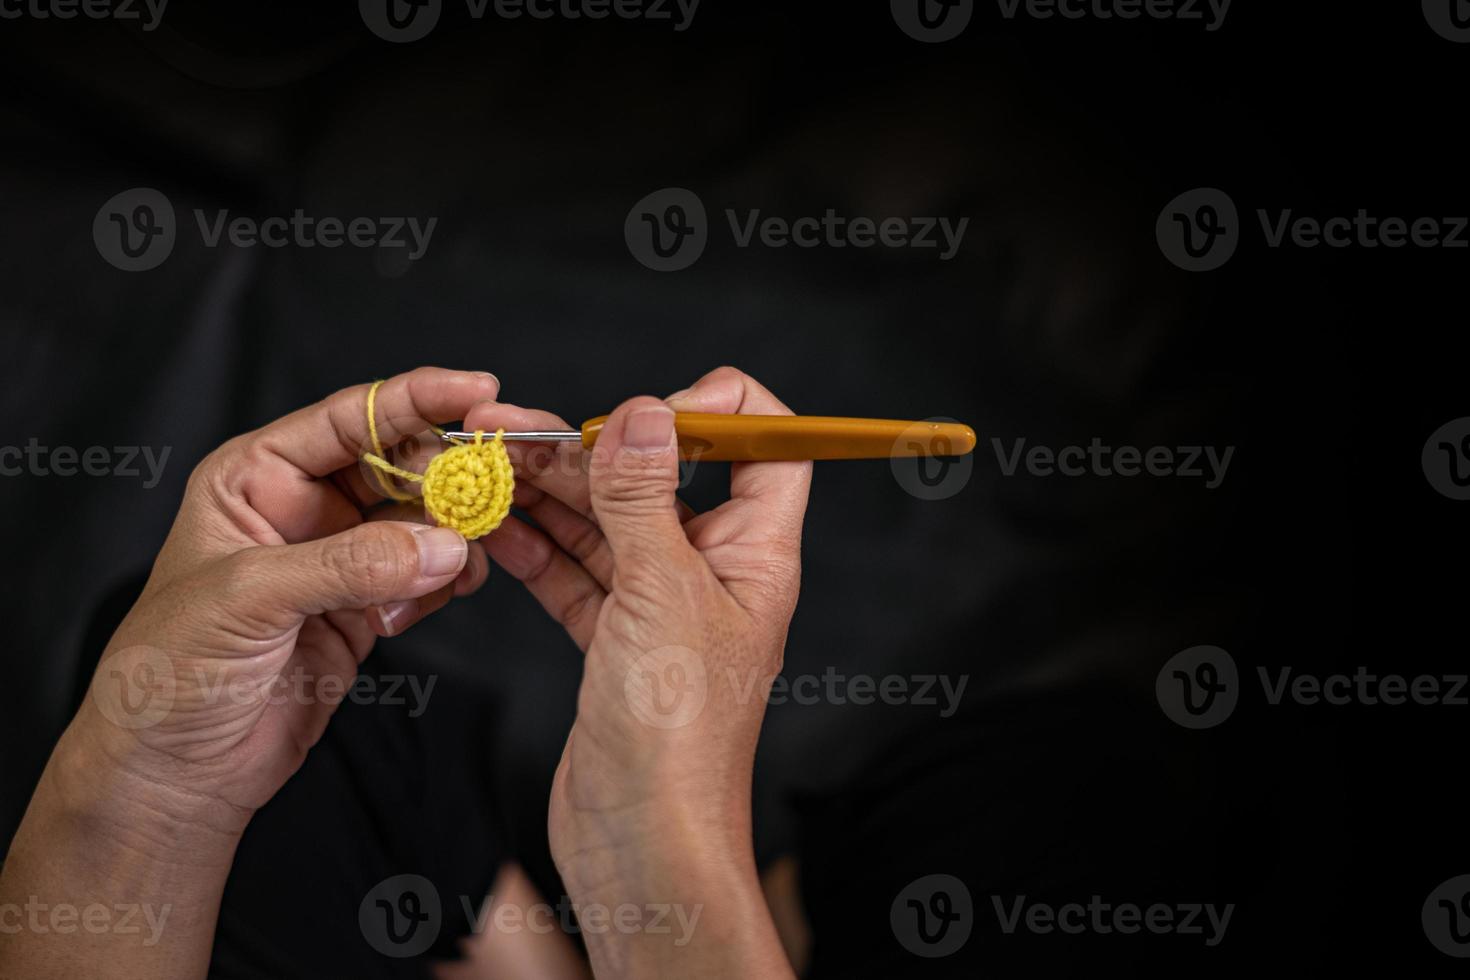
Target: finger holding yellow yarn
{"x": 469, "y": 486}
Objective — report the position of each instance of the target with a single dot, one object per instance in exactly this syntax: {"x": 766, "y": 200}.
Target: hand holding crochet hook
{"x": 289, "y": 557}
{"x": 668, "y": 605}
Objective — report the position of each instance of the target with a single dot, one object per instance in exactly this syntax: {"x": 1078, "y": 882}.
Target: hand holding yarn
{"x": 280, "y": 571}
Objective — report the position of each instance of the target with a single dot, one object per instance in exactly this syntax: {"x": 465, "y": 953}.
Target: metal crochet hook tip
{"x": 545, "y": 435}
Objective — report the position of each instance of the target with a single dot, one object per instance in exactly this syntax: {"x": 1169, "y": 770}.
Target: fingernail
{"x": 487, "y": 374}
{"x": 649, "y": 429}
{"x": 395, "y": 615}
{"x": 678, "y": 395}
{"x": 441, "y": 550}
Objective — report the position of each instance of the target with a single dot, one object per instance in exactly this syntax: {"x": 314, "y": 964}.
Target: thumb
{"x": 632, "y": 477}
{"x": 372, "y": 564}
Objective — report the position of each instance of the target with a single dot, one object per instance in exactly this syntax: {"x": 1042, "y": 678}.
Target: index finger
{"x": 330, "y": 435}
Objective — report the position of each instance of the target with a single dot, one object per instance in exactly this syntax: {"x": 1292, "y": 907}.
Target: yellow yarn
{"x": 467, "y": 487}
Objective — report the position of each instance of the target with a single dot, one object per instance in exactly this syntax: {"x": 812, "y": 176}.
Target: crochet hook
{"x": 782, "y": 437}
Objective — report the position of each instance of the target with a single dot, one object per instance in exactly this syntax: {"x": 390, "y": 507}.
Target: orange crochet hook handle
{"x": 791, "y": 437}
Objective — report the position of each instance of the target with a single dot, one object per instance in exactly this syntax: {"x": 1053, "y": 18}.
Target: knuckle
{"x": 772, "y": 577}
{"x": 367, "y": 563}
{"x": 727, "y": 372}
{"x": 221, "y": 471}
{"x": 585, "y": 542}
{"x": 541, "y": 563}
{"x": 636, "y": 490}
{"x": 207, "y": 470}
{"x": 575, "y": 608}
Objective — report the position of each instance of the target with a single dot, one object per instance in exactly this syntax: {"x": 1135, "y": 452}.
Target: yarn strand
{"x": 468, "y": 486}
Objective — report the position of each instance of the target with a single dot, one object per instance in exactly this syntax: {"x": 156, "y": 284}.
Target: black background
{"x": 1325, "y": 547}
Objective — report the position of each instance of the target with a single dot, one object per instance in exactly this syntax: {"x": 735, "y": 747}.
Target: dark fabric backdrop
{"x": 1057, "y": 321}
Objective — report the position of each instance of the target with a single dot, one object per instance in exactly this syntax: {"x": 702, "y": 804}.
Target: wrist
{"x": 107, "y": 783}
{"x": 640, "y": 844}
{"x": 678, "y": 913}
{"x": 667, "y": 889}
{"x": 99, "y": 838}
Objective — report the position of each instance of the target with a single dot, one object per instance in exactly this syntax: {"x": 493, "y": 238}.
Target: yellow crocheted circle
{"x": 469, "y": 486}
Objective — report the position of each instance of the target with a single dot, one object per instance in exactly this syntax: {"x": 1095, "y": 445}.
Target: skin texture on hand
{"x": 269, "y": 592}
{"x": 274, "y": 575}
{"x": 683, "y": 619}
{"x": 265, "y": 598}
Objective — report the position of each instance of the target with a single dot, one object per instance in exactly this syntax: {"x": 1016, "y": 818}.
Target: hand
{"x": 265, "y": 598}
{"x": 268, "y": 594}
{"x": 683, "y": 619}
